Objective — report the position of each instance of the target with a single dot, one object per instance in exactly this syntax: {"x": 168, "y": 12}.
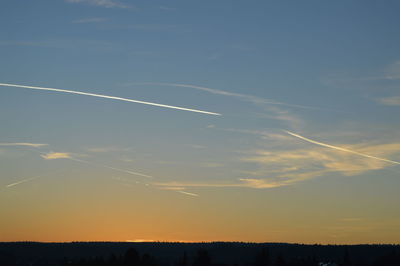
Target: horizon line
{"x": 196, "y": 242}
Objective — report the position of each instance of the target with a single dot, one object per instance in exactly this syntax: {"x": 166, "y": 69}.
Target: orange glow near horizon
{"x": 107, "y": 211}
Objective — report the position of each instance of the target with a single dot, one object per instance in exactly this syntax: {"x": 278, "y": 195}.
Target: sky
{"x": 255, "y": 121}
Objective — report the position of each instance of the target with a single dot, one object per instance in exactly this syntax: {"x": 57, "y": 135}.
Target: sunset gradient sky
{"x": 306, "y": 147}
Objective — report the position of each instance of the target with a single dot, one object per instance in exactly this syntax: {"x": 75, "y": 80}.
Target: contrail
{"x": 63, "y": 155}
{"x": 188, "y": 193}
{"x": 109, "y": 167}
{"x": 20, "y": 182}
{"x": 108, "y": 97}
{"x": 341, "y": 149}
{"x": 35, "y": 145}
{"x": 243, "y": 97}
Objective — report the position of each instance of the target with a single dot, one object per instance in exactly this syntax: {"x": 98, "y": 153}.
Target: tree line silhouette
{"x": 283, "y": 255}
{"x": 202, "y": 258}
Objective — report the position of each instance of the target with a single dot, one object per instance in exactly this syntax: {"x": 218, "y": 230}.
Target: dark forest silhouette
{"x": 195, "y": 254}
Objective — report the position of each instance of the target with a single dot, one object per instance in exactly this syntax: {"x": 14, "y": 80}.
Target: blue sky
{"x": 328, "y": 71}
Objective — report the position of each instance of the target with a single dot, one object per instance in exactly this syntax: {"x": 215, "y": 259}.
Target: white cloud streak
{"x": 393, "y": 71}
{"x": 107, "y": 149}
{"x": 101, "y": 3}
{"x": 108, "y": 97}
{"x": 167, "y": 8}
{"x": 341, "y": 149}
{"x": 112, "y": 168}
{"x": 88, "y": 20}
{"x": 66, "y": 155}
{"x": 243, "y": 97}
{"x": 20, "y": 182}
{"x": 291, "y": 166}
{"x": 243, "y": 183}
{"x": 30, "y": 179}
{"x": 391, "y": 101}
{"x": 26, "y": 144}
{"x": 188, "y": 193}
{"x": 56, "y": 155}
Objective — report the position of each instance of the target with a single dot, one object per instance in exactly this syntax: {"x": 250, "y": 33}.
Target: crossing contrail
{"x": 65, "y": 155}
{"x": 30, "y": 179}
{"x": 109, "y": 167}
{"x": 20, "y": 182}
{"x": 108, "y": 97}
{"x": 341, "y": 149}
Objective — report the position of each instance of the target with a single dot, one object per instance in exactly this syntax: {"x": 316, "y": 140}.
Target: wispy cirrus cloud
{"x": 166, "y": 8}
{"x": 81, "y": 44}
{"x": 26, "y": 144}
{"x": 343, "y": 149}
{"x": 197, "y": 146}
{"x": 391, "y": 101}
{"x": 243, "y": 182}
{"x": 261, "y": 183}
{"x": 102, "y": 3}
{"x": 389, "y": 72}
{"x": 56, "y": 155}
{"x": 107, "y": 149}
{"x": 351, "y": 219}
{"x": 72, "y": 157}
{"x": 244, "y": 97}
{"x": 130, "y": 172}
{"x": 271, "y": 109}
{"x": 263, "y": 134}
{"x": 302, "y": 164}
{"x": 88, "y": 20}
{"x": 283, "y": 115}
{"x": 392, "y": 72}
{"x": 285, "y": 161}
{"x": 173, "y": 188}
{"x": 293, "y": 164}
{"x": 152, "y": 27}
